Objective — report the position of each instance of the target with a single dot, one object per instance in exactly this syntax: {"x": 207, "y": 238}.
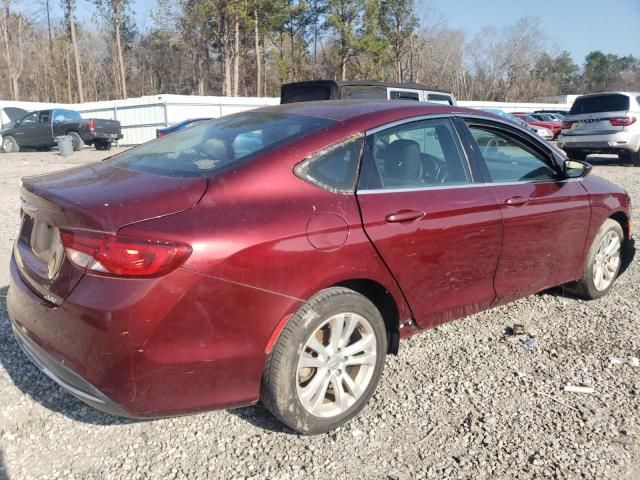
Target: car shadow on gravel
{"x": 32, "y": 382}
{"x": 258, "y": 416}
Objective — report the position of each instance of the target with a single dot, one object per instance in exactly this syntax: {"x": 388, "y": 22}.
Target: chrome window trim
{"x": 402, "y": 121}
{"x": 462, "y": 185}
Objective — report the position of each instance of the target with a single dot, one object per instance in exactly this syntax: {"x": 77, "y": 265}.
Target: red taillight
{"x": 161, "y": 134}
{"x": 622, "y": 121}
{"x": 566, "y": 125}
{"x": 92, "y": 125}
{"x": 116, "y": 255}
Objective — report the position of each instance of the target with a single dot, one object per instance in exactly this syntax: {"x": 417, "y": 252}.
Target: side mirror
{"x": 17, "y": 123}
{"x": 576, "y": 168}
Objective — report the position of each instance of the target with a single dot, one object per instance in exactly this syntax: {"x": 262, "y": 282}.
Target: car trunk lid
{"x": 97, "y": 198}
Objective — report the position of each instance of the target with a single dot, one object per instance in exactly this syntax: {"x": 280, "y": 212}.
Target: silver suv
{"x": 603, "y": 123}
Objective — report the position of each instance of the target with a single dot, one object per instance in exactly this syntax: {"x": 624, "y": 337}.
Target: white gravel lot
{"x": 460, "y": 401}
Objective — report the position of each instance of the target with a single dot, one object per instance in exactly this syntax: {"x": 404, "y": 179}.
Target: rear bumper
{"x": 150, "y": 347}
{"x": 611, "y": 143}
{"x": 105, "y": 136}
{"x": 63, "y": 376}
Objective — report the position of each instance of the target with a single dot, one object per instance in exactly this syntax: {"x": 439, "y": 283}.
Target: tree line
{"x": 251, "y": 47}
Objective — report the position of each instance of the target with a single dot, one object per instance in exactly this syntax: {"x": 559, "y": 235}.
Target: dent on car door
{"x": 436, "y": 230}
{"x": 546, "y": 216}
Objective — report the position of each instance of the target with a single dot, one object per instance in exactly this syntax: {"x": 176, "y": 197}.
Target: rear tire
{"x": 634, "y": 158}
{"x": 103, "y": 145}
{"x": 603, "y": 262}
{"x": 318, "y": 376}
{"x": 576, "y": 154}
{"x": 9, "y": 144}
{"x": 76, "y": 141}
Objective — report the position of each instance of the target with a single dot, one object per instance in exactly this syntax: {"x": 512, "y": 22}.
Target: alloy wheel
{"x": 336, "y": 365}
{"x": 607, "y": 261}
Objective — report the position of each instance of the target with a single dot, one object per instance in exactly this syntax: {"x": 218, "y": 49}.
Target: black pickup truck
{"x": 39, "y": 129}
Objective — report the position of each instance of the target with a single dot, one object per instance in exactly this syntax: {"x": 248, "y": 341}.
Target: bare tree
{"x": 12, "y": 29}
{"x": 74, "y": 43}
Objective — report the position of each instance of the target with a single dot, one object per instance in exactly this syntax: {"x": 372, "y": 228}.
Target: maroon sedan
{"x": 280, "y": 254}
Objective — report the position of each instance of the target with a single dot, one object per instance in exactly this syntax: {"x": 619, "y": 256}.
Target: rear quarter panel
{"x": 261, "y": 228}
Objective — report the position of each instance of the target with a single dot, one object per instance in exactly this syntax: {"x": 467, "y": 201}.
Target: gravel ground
{"x": 461, "y": 401}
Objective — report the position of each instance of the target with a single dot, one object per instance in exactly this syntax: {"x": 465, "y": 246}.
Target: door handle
{"x": 404, "y": 216}
{"x": 516, "y": 201}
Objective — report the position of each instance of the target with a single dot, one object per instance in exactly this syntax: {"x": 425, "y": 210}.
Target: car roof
{"x": 631, "y": 94}
{"x": 343, "y": 110}
{"x": 366, "y": 83}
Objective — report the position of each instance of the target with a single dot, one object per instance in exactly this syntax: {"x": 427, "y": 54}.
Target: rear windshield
{"x": 600, "y": 103}
{"x": 218, "y": 144}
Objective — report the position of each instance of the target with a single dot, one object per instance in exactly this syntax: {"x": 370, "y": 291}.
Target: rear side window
{"x": 439, "y": 99}
{"x": 334, "y": 168}
{"x": 415, "y": 155}
{"x": 65, "y": 116}
{"x": 402, "y": 95}
{"x": 600, "y": 103}
{"x": 217, "y": 145}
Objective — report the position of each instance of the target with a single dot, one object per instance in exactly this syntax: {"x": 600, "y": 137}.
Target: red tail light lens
{"x": 116, "y": 255}
{"x": 622, "y": 121}
{"x": 566, "y": 125}
{"x": 92, "y": 124}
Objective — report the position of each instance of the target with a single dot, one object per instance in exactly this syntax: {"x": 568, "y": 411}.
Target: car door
{"x": 42, "y": 134}
{"x": 25, "y": 133}
{"x": 546, "y": 215}
{"x": 438, "y": 232}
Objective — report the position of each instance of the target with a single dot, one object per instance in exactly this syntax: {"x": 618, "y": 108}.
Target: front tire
{"x": 326, "y": 363}
{"x": 603, "y": 262}
{"x": 9, "y": 144}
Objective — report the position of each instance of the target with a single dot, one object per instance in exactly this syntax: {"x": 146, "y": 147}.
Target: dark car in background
{"x": 176, "y": 127}
{"x": 314, "y": 90}
{"x": 188, "y": 274}
{"x": 39, "y": 130}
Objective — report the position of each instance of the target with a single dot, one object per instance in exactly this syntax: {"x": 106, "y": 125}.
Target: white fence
{"x": 140, "y": 117}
